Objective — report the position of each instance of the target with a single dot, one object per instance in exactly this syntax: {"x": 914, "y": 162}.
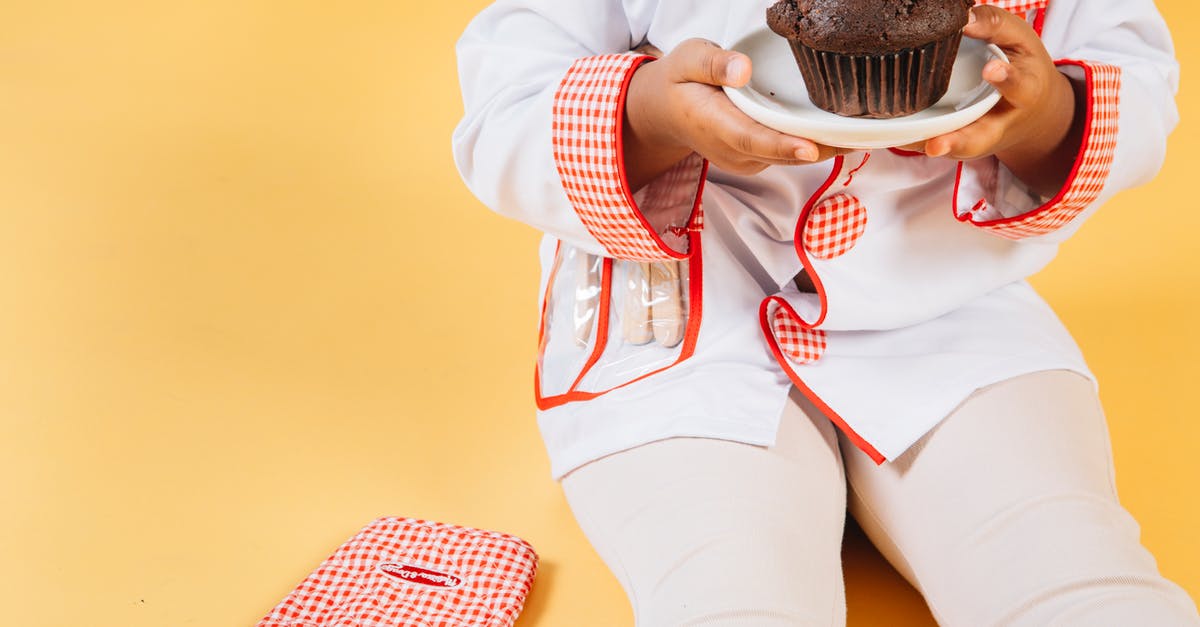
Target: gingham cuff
{"x": 589, "y": 109}
{"x": 1087, "y": 177}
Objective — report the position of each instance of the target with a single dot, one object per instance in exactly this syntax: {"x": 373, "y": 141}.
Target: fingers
{"x": 1022, "y": 82}
{"x": 721, "y": 125}
{"x": 744, "y": 146}
{"x": 828, "y": 152}
{"x": 1018, "y": 88}
{"x": 720, "y": 131}
{"x": 702, "y": 61}
{"x": 1016, "y": 83}
{"x": 980, "y": 138}
{"x": 1022, "y": 91}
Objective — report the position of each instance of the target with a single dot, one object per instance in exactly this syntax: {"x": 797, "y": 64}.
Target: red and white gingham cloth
{"x": 413, "y": 573}
{"x": 588, "y": 116}
{"x": 801, "y": 344}
{"x": 1092, "y": 164}
{"x": 834, "y": 226}
{"x": 1016, "y": 6}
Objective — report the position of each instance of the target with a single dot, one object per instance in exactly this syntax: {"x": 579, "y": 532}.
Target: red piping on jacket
{"x": 861, "y": 164}
{"x": 765, "y": 322}
{"x": 798, "y": 243}
{"x": 769, "y": 333}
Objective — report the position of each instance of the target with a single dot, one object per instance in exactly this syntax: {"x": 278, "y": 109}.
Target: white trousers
{"x": 1005, "y": 514}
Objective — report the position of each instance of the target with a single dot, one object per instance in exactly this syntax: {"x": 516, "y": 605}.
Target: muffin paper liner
{"x": 878, "y": 86}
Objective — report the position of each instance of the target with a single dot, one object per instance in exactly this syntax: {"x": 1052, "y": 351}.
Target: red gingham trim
{"x": 588, "y": 116}
{"x": 1091, "y": 168}
{"x": 834, "y": 226}
{"x": 349, "y": 589}
{"x": 766, "y": 312}
{"x": 1016, "y": 6}
{"x": 801, "y": 344}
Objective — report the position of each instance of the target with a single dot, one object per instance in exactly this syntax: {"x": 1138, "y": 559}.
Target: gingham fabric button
{"x": 402, "y": 571}
{"x": 1094, "y": 160}
{"x": 834, "y": 226}
{"x": 800, "y": 344}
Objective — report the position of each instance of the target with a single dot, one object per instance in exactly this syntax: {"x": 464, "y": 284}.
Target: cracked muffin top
{"x": 867, "y": 26}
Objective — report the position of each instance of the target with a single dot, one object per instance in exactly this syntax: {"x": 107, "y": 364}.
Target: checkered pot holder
{"x": 414, "y": 573}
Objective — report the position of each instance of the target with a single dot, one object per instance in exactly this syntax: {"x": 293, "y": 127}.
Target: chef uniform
{"x": 918, "y": 265}
{"x": 917, "y": 261}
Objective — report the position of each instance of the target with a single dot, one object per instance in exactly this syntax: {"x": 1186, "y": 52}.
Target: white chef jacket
{"x": 919, "y": 263}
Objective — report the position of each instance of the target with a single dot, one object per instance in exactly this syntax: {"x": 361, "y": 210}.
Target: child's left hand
{"x": 1033, "y": 129}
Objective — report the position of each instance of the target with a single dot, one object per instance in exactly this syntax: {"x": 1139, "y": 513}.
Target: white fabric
{"x": 1006, "y": 514}
{"x": 924, "y": 308}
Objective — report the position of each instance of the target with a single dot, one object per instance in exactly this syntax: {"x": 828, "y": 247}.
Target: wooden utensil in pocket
{"x": 635, "y": 313}
{"x": 666, "y": 300}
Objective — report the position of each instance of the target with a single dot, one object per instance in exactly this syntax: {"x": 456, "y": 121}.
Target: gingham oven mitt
{"x": 414, "y": 573}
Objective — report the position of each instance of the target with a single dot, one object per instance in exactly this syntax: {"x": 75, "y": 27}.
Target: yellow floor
{"x": 246, "y": 306}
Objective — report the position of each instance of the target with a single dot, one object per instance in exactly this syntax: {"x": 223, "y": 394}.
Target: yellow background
{"x": 247, "y": 306}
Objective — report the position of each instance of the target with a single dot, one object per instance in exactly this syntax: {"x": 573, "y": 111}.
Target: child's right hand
{"x": 675, "y": 106}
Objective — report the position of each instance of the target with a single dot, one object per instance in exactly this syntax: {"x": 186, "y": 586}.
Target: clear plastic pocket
{"x": 607, "y": 322}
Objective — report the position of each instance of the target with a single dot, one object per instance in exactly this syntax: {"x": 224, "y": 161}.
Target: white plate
{"x": 776, "y": 98}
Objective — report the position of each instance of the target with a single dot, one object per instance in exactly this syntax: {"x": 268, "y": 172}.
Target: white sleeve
{"x": 544, "y": 84}
{"x": 1122, "y": 51}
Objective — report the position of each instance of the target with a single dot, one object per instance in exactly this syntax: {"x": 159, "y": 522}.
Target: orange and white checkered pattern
{"x": 464, "y": 578}
{"x": 801, "y": 344}
{"x": 677, "y": 188}
{"x": 1016, "y": 6}
{"x": 588, "y": 115}
{"x": 834, "y": 226}
{"x": 1092, "y": 164}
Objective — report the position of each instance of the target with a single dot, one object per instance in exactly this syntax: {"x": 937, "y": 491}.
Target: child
{"x": 738, "y": 324}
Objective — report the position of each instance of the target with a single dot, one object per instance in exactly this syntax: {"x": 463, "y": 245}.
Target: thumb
{"x": 702, "y": 61}
{"x": 996, "y": 26}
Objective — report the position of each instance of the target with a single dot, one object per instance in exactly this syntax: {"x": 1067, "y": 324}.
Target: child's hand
{"x": 675, "y": 106}
{"x": 1033, "y": 129}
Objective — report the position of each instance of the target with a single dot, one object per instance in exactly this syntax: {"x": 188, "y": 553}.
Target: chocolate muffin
{"x": 872, "y": 58}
